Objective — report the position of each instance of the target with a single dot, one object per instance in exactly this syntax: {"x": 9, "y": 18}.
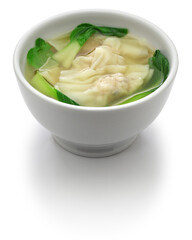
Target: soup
{"x": 96, "y": 67}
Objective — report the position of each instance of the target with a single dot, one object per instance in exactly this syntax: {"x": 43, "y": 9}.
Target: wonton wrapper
{"x": 113, "y": 71}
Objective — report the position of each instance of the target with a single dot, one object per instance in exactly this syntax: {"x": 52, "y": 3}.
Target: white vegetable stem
{"x": 67, "y": 54}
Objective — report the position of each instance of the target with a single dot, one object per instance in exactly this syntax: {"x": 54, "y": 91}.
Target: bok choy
{"x": 160, "y": 64}
{"x": 78, "y": 38}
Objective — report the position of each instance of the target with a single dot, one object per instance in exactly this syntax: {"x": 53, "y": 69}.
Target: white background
{"x": 143, "y": 193}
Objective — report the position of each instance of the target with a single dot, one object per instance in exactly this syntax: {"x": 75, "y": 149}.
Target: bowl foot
{"x": 94, "y": 151}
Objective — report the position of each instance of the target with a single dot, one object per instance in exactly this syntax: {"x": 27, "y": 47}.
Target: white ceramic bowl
{"x": 91, "y": 131}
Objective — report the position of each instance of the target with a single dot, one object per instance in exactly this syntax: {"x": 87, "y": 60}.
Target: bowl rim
{"x": 169, "y": 80}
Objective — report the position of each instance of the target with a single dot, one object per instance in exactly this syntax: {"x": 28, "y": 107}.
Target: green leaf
{"x": 111, "y": 31}
{"x": 85, "y": 30}
{"x": 38, "y": 55}
{"x": 160, "y": 64}
{"x": 80, "y": 30}
{"x": 82, "y": 38}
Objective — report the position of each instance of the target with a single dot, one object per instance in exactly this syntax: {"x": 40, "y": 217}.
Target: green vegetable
{"x": 160, "y": 64}
{"x": 78, "y": 38}
{"x": 40, "y": 84}
{"x": 85, "y": 30}
{"x": 82, "y": 33}
{"x": 38, "y": 55}
{"x": 67, "y": 54}
{"x": 111, "y": 31}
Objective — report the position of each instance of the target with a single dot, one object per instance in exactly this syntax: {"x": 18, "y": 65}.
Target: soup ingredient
{"x": 50, "y": 71}
{"x": 38, "y": 55}
{"x": 40, "y": 84}
{"x": 116, "y": 69}
{"x": 78, "y": 38}
{"x": 160, "y": 64}
{"x": 103, "y": 80}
